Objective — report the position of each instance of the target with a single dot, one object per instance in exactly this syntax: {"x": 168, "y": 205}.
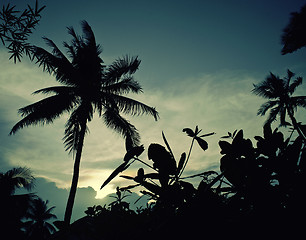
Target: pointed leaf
{"x": 267, "y": 131}
{"x": 189, "y": 132}
{"x": 151, "y": 175}
{"x": 127, "y": 177}
{"x": 167, "y": 144}
{"x": 118, "y": 170}
{"x": 181, "y": 162}
{"x": 128, "y": 143}
{"x": 202, "y": 143}
{"x": 208, "y": 134}
{"x": 135, "y": 151}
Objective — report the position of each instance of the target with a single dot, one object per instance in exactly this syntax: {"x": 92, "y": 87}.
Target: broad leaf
{"x": 202, "y": 143}
{"x": 134, "y": 151}
{"x": 118, "y": 170}
{"x": 189, "y": 132}
{"x": 151, "y": 175}
{"x": 127, "y": 177}
{"x": 181, "y": 162}
{"x": 167, "y": 144}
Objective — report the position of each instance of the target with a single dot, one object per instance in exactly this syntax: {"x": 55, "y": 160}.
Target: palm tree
{"x": 87, "y": 86}
{"x": 13, "y": 207}
{"x": 39, "y": 213}
{"x": 279, "y": 92}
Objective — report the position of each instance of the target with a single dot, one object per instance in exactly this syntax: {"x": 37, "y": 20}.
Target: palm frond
{"x": 297, "y": 82}
{"x": 77, "y": 40}
{"x": 17, "y": 178}
{"x": 113, "y": 120}
{"x": 89, "y": 38}
{"x": 73, "y": 126}
{"x": 133, "y": 107}
{"x": 120, "y": 67}
{"x": 126, "y": 85}
{"x": 59, "y": 66}
{"x": 299, "y": 101}
{"x": 272, "y": 115}
{"x": 57, "y": 90}
{"x": 44, "y": 111}
{"x": 266, "y": 106}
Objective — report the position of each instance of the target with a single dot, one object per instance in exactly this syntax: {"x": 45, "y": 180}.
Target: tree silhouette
{"x": 87, "y": 86}
{"x": 279, "y": 92}
{"x": 13, "y": 207}
{"x": 39, "y": 213}
{"x": 294, "y": 35}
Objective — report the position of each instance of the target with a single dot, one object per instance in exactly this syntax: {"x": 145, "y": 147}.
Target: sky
{"x": 200, "y": 60}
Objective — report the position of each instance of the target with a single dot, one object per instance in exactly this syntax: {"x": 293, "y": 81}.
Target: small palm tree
{"x": 39, "y": 214}
{"x": 16, "y": 178}
{"x": 281, "y": 102}
{"x": 13, "y": 207}
{"x": 87, "y": 86}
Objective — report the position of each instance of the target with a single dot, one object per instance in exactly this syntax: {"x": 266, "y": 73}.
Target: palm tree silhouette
{"x": 13, "y": 207}
{"x": 87, "y": 86}
{"x": 280, "y": 92}
{"x": 39, "y": 214}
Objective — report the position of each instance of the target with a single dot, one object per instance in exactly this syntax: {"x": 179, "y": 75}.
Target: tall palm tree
{"x": 39, "y": 214}
{"x": 87, "y": 86}
{"x": 279, "y": 92}
{"x": 13, "y": 207}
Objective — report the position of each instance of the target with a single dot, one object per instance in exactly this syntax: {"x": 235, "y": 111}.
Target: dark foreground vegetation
{"x": 258, "y": 190}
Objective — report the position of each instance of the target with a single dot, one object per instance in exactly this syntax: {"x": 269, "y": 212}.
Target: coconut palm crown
{"x": 86, "y": 86}
{"x": 281, "y": 100}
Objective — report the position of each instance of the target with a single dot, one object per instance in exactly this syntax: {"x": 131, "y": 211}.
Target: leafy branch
{"x": 16, "y": 27}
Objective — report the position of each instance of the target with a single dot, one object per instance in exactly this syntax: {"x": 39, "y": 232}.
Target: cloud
{"x": 85, "y": 197}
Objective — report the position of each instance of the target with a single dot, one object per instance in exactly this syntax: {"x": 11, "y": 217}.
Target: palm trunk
{"x": 296, "y": 126}
{"x": 75, "y": 178}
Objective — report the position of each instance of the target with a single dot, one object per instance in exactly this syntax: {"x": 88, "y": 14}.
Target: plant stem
{"x": 144, "y": 163}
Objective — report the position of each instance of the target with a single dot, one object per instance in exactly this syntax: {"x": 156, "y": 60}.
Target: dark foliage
{"x": 294, "y": 35}
{"x": 258, "y": 191}
{"x": 16, "y": 208}
{"x": 16, "y": 27}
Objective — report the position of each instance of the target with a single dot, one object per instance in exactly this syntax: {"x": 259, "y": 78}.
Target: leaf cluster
{"x": 16, "y": 27}
{"x": 165, "y": 184}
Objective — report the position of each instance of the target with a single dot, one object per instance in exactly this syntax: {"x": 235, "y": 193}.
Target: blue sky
{"x": 199, "y": 61}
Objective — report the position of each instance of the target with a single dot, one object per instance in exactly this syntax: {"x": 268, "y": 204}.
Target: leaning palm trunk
{"x": 75, "y": 177}
{"x": 296, "y": 126}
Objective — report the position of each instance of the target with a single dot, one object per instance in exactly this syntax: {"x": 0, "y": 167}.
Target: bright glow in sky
{"x": 199, "y": 61}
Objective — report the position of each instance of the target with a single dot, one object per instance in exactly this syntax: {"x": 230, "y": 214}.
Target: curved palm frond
{"x": 133, "y": 107}
{"x": 297, "y": 82}
{"x": 16, "y": 178}
{"x": 273, "y": 114}
{"x": 57, "y": 65}
{"x": 44, "y": 111}
{"x": 73, "y": 126}
{"x": 266, "y": 106}
{"x": 89, "y": 38}
{"x": 57, "y": 90}
{"x": 120, "y": 67}
{"x": 299, "y": 101}
{"x": 113, "y": 120}
{"x": 126, "y": 85}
